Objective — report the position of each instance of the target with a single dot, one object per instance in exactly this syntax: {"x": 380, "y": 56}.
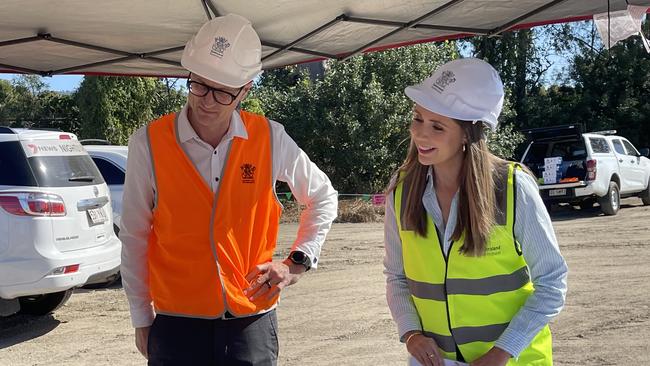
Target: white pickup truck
{"x": 584, "y": 168}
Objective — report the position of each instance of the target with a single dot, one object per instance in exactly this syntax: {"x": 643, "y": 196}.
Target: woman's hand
{"x": 424, "y": 349}
{"x": 493, "y": 357}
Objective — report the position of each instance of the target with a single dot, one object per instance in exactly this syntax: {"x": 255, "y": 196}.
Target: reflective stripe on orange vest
{"x": 203, "y": 244}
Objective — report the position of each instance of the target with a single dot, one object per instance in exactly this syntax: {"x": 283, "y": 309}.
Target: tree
{"x": 58, "y": 110}
{"x": 613, "y": 86}
{"x": 353, "y": 122}
{"x": 505, "y": 141}
{"x": 169, "y": 96}
{"x": 26, "y": 102}
{"x": 522, "y": 59}
{"x": 112, "y": 108}
{"x": 6, "y": 99}
{"x": 23, "y": 105}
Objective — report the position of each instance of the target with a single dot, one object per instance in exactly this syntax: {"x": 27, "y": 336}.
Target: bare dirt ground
{"x": 337, "y": 315}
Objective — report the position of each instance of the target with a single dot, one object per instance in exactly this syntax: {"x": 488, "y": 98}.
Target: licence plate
{"x": 97, "y": 216}
{"x": 557, "y": 192}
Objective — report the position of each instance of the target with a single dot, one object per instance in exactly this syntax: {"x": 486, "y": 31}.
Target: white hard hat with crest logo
{"x": 466, "y": 89}
{"x": 226, "y": 50}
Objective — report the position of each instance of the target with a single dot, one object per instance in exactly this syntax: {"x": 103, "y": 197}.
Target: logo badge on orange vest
{"x": 248, "y": 173}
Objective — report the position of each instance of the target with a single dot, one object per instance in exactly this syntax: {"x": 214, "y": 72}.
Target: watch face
{"x": 298, "y": 257}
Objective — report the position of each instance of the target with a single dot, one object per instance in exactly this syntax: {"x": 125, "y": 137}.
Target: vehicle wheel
{"x": 587, "y": 204}
{"x": 43, "y": 304}
{"x": 611, "y": 202}
{"x": 645, "y": 195}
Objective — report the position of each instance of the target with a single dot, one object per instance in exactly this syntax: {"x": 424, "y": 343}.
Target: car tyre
{"x": 43, "y": 304}
{"x": 611, "y": 202}
{"x": 645, "y": 195}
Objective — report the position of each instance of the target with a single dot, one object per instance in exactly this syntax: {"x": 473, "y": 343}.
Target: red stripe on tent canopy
{"x": 464, "y": 35}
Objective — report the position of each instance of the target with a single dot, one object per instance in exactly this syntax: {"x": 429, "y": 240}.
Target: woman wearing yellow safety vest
{"x": 473, "y": 268}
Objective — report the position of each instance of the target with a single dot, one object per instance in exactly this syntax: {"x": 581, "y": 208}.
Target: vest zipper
{"x": 459, "y": 356}
{"x": 213, "y": 244}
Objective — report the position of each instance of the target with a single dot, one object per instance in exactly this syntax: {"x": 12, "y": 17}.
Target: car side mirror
{"x": 645, "y": 152}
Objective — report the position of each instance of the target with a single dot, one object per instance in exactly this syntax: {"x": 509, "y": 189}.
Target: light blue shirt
{"x": 533, "y": 230}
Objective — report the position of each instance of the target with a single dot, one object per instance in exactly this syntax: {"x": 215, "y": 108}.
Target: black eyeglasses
{"x": 220, "y": 96}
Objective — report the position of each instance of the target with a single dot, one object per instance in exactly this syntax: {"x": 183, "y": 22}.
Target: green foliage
{"x": 112, "y": 108}
{"x": 58, "y": 110}
{"x": 614, "y": 89}
{"x": 26, "y": 102}
{"x": 354, "y": 121}
{"x": 253, "y": 105}
{"x": 6, "y": 100}
{"x": 522, "y": 59}
{"x": 168, "y": 97}
{"x": 504, "y": 141}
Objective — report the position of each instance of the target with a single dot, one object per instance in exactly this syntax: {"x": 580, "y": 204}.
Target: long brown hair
{"x": 476, "y": 199}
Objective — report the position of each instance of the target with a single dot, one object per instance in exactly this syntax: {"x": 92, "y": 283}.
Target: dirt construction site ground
{"x": 337, "y": 315}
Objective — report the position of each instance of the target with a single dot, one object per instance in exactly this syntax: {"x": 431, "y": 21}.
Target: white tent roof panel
{"x": 140, "y": 37}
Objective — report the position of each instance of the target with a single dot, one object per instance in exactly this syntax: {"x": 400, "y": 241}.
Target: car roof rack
{"x": 553, "y": 132}
{"x": 5, "y": 129}
{"x": 94, "y": 142}
{"x": 604, "y": 132}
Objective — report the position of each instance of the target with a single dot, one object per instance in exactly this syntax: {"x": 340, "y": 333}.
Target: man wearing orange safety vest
{"x": 201, "y": 216}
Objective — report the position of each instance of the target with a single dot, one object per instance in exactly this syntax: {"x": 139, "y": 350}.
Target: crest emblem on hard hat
{"x": 248, "y": 173}
{"x": 219, "y": 46}
{"x": 444, "y": 80}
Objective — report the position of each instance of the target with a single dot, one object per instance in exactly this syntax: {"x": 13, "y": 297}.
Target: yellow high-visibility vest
{"x": 466, "y": 302}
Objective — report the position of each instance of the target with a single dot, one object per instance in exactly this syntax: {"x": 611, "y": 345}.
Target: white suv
{"x": 111, "y": 162}
{"x": 56, "y": 229}
{"x": 585, "y": 168}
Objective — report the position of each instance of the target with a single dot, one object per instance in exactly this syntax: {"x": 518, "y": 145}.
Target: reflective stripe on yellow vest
{"x": 466, "y": 302}
{"x": 203, "y": 244}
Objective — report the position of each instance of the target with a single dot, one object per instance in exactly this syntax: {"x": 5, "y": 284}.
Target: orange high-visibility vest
{"x": 203, "y": 244}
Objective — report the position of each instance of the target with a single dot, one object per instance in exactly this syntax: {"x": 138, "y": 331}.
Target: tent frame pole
{"x": 406, "y": 26}
{"x": 209, "y": 8}
{"x": 507, "y": 26}
{"x": 290, "y": 45}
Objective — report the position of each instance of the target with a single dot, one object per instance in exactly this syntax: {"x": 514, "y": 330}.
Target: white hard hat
{"x": 226, "y": 50}
{"x": 467, "y": 89}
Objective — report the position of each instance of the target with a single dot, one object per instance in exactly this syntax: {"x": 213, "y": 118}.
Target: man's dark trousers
{"x": 190, "y": 341}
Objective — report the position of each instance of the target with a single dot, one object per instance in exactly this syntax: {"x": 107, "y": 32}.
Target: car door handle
{"x": 632, "y": 161}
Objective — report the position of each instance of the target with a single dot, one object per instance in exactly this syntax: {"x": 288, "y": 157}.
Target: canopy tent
{"x": 140, "y": 37}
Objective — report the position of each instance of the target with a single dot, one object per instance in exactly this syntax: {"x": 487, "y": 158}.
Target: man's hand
{"x": 268, "y": 279}
{"x": 142, "y": 339}
{"x": 494, "y": 357}
{"x": 424, "y": 349}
